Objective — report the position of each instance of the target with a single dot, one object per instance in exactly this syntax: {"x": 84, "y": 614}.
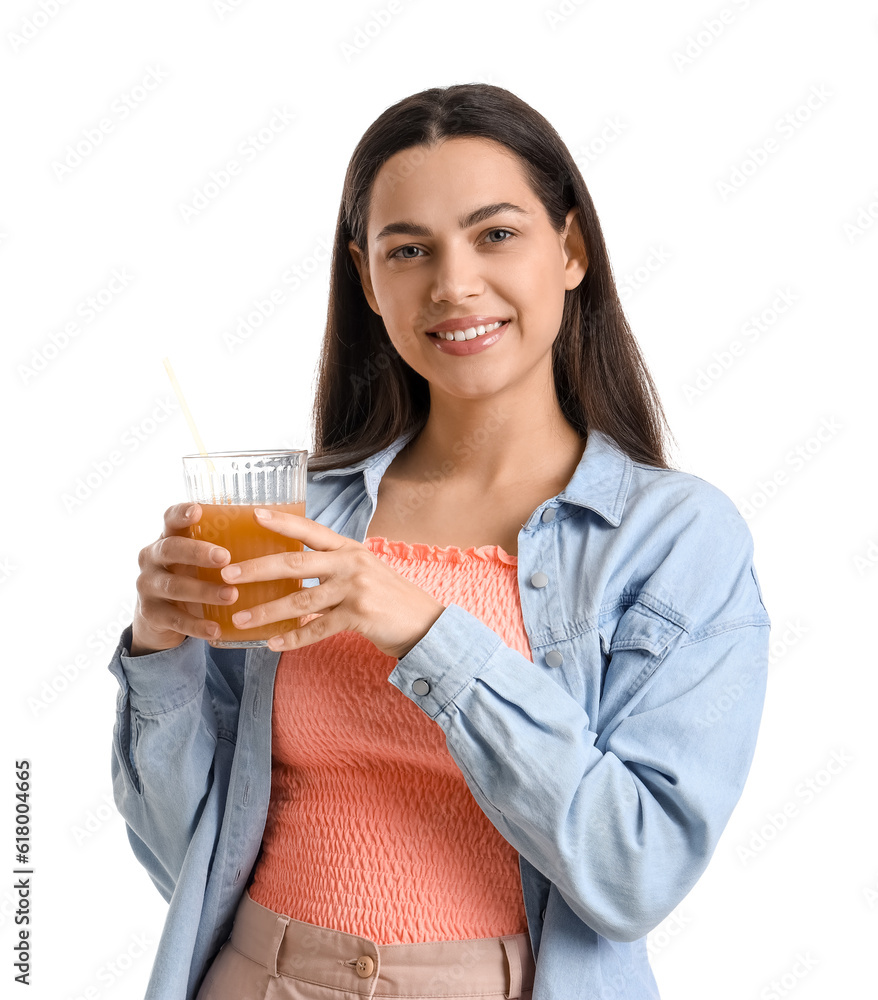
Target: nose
{"x": 457, "y": 274}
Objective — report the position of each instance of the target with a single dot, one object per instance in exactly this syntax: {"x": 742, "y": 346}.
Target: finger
{"x": 162, "y": 616}
{"x": 180, "y": 517}
{"x": 314, "y": 535}
{"x": 188, "y": 589}
{"x": 176, "y": 550}
{"x": 307, "y": 601}
{"x": 280, "y": 566}
{"x": 326, "y": 625}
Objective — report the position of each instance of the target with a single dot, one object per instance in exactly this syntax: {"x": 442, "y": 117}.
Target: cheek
{"x": 539, "y": 294}
{"x": 398, "y": 296}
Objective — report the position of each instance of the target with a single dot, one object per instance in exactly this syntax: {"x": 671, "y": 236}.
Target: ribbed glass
{"x": 256, "y": 477}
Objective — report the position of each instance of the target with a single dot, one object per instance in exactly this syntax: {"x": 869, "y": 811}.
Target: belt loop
{"x": 513, "y": 959}
{"x": 280, "y": 928}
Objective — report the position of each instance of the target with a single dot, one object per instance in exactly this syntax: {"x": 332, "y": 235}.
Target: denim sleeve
{"x": 164, "y": 742}
{"x": 622, "y": 815}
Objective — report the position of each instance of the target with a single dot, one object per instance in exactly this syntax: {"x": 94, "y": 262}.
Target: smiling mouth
{"x": 470, "y": 333}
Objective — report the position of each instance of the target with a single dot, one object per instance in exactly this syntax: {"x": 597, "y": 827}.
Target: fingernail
{"x": 262, "y": 513}
{"x": 190, "y": 512}
{"x": 217, "y": 556}
{"x": 276, "y": 642}
{"x": 227, "y": 593}
{"x": 230, "y": 572}
{"x": 241, "y": 618}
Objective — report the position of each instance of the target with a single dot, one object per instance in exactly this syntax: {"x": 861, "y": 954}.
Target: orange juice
{"x": 234, "y": 527}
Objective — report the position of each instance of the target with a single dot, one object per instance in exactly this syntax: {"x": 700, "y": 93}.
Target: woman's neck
{"x": 494, "y": 444}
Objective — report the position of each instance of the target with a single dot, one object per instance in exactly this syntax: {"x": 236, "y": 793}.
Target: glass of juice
{"x": 228, "y": 486}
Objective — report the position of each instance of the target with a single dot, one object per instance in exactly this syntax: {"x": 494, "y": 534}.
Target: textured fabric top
{"x": 371, "y": 827}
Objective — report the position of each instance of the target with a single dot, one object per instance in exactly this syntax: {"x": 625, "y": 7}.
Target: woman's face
{"x": 457, "y": 240}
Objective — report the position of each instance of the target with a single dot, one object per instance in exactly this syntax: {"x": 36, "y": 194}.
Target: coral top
{"x": 371, "y": 827}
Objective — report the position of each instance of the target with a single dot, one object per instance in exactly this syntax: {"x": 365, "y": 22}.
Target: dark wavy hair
{"x": 367, "y": 396}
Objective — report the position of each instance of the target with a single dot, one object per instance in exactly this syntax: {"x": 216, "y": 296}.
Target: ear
{"x": 573, "y": 247}
{"x": 362, "y": 264}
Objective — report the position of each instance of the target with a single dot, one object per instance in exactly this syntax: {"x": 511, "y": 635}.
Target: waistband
{"x": 297, "y": 949}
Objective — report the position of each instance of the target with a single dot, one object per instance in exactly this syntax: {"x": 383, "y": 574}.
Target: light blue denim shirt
{"x": 612, "y": 762}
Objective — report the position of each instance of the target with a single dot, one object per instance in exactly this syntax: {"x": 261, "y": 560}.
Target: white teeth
{"x": 472, "y": 332}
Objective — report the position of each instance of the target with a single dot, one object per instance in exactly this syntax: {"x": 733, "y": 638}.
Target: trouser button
{"x": 365, "y": 966}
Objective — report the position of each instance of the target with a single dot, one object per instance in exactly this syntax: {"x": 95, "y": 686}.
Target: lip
{"x": 461, "y": 347}
{"x": 463, "y": 322}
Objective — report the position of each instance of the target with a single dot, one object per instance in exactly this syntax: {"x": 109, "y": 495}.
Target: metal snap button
{"x": 365, "y": 966}
{"x": 421, "y": 686}
{"x": 548, "y": 515}
{"x": 539, "y": 580}
{"x": 554, "y": 658}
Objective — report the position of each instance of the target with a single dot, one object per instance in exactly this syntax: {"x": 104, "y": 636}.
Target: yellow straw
{"x": 182, "y": 400}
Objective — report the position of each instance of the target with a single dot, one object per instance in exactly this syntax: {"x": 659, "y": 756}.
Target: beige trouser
{"x": 270, "y": 956}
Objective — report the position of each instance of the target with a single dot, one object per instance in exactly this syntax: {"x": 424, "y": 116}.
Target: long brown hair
{"x": 367, "y": 396}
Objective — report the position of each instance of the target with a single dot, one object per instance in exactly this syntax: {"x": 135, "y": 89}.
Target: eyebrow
{"x": 465, "y": 221}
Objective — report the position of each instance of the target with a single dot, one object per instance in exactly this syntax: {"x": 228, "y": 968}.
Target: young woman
{"x": 524, "y": 699}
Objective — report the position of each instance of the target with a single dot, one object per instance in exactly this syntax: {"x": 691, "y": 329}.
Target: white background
{"x": 660, "y": 104}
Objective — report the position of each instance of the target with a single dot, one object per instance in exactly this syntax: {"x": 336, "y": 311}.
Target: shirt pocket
{"x": 639, "y": 644}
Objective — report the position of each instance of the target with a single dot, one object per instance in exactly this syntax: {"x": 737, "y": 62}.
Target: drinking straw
{"x": 182, "y": 400}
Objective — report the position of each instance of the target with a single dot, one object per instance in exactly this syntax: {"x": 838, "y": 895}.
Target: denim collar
{"x": 600, "y": 481}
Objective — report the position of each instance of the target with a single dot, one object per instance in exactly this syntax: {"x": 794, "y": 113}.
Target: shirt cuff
{"x": 436, "y": 669}
{"x": 162, "y": 681}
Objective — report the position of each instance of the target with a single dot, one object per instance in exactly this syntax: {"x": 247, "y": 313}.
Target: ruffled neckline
{"x": 420, "y": 551}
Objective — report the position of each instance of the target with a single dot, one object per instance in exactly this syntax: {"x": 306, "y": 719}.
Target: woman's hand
{"x": 167, "y": 584}
{"x": 357, "y": 591}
